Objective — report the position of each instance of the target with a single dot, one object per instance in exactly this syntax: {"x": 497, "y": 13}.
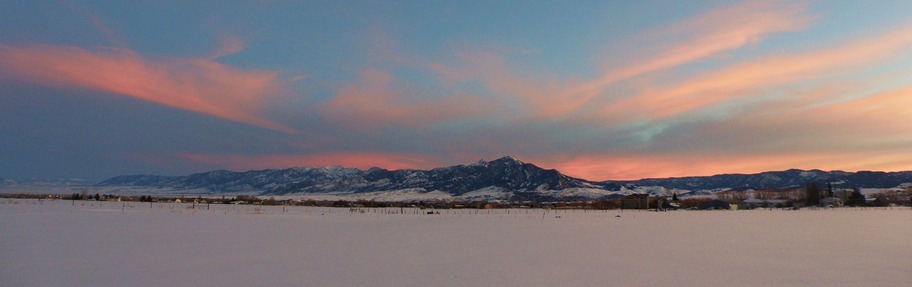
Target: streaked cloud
{"x": 613, "y": 90}
{"x": 193, "y": 84}
{"x": 703, "y": 36}
{"x": 661, "y": 129}
{"x": 361, "y": 160}
{"x": 751, "y": 78}
{"x": 374, "y": 102}
{"x": 227, "y": 45}
{"x": 700, "y": 37}
{"x": 630, "y": 167}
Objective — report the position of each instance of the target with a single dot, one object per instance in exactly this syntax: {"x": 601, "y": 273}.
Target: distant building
{"x": 715, "y": 204}
{"x": 831, "y": 202}
{"x": 755, "y": 203}
{"x": 639, "y": 201}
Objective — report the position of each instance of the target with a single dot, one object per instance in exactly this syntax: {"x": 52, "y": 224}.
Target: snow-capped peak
{"x": 509, "y": 159}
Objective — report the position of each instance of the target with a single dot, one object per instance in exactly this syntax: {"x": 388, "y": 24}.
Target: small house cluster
{"x": 811, "y": 196}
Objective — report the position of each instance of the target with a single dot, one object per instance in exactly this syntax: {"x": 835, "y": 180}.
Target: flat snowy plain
{"x": 64, "y": 243}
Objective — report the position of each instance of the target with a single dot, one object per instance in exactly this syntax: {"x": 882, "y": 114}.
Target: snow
{"x": 590, "y": 193}
{"x": 653, "y": 190}
{"x": 65, "y": 243}
{"x": 871, "y": 192}
{"x": 412, "y": 194}
{"x": 488, "y": 193}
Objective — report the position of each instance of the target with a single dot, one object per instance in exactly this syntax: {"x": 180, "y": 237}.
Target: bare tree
{"x": 741, "y": 196}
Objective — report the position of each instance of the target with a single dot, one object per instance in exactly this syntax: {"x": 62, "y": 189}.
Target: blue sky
{"x": 597, "y": 89}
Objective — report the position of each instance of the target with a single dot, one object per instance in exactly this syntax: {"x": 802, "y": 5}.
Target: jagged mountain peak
{"x": 505, "y": 173}
{"x": 508, "y": 160}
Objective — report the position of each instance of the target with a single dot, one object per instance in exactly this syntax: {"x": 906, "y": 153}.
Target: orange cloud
{"x": 198, "y": 85}
{"x": 595, "y": 167}
{"x": 536, "y": 96}
{"x": 229, "y": 45}
{"x": 867, "y": 132}
{"x": 698, "y": 38}
{"x": 703, "y": 36}
{"x": 632, "y": 167}
{"x": 373, "y": 103}
{"x": 892, "y": 107}
{"x": 881, "y": 118}
{"x": 361, "y": 160}
{"x": 748, "y": 79}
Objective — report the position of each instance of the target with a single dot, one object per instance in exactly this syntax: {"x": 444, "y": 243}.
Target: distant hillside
{"x": 504, "y": 178}
{"x": 45, "y": 182}
{"x": 505, "y": 174}
{"x": 781, "y": 179}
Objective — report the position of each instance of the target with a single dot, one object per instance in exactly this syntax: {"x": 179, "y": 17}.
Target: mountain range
{"x": 783, "y": 179}
{"x": 503, "y": 178}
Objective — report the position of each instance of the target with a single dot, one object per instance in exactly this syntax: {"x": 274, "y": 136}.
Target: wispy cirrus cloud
{"x": 822, "y": 129}
{"x": 227, "y": 45}
{"x": 374, "y": 102}
{"x": 867, "y": 133}
{"x": 703, "y": 36}
{"x": 865, "y": 121}
{"x": 361, "y": 160}
{"x": 194, "y": 84}
{"x": 815, "y": 119}
{"x": 886, "y": 114}
{"x": 749, "y": 78}
{"x": 631, "y": 167}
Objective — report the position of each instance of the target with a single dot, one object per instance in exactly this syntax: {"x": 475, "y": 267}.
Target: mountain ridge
{"x": 782, "y": 179}
{"x": 505, "y": 173}
{"x": 520, "y": 180}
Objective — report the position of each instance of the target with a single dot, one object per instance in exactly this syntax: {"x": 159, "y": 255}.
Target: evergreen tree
{"x": 813, "y": 193}
{"x": 856, "y": 198}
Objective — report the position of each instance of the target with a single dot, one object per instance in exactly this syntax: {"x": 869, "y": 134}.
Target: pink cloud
{"x": 228, "y": 45}
{"x": 198, "y": 85}
{"x": 631, "y": 167}
{"x": 883, "y": 117}
{"x": 361, "y": 160}
{"x": 375, "y": 103}
{"x": 813, "y": 131}
{"x": 748, "y": 79}
{"x": 448, "y": 74}
{"x": 700, "y": 37}
{"x": 97, "y": 21}
{"x": 703, "y": 36}
{"x": 602, "y": 166}
{"x": 535, "y": 97}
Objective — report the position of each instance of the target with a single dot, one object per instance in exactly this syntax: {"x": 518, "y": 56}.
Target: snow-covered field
{"x": 64, "y": 243}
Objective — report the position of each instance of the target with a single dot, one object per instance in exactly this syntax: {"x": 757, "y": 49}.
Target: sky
{"x": 602, "y": 90}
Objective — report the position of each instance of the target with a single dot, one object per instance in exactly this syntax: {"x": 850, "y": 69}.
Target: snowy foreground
{"x": 62, "y": 243}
